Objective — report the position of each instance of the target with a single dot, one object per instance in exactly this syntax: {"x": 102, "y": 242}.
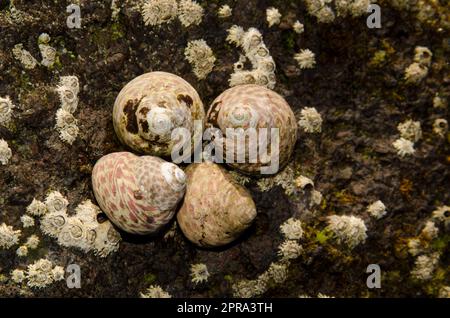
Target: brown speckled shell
{"x": 216, "y": 209}
{"x": 273, "y": 112}
{"x": 134, "y": 193}
{"x": 128, "y": 113}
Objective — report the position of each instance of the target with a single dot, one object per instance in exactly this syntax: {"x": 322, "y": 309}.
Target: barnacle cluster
{"x": 5, "y": 152}
{"x": 27, "y": 221}
{"x": 48, "y": 52}
{"x": 225, "y": 11}
{"x": 157, "y": 12}
{"x": 416, "y": 71}
{"x": 42, "y": 273}
{"x": 425, "y": 266}
{"x": 292, "y": 229}
{"x": 36, "y": 208}
{"x": 81, "y": 230}
{"x": 66, "y": 124}
{"x": 155, "y": 291}
{"x": 323, "y": 9}
{"x": 201, "y": 57}
{"x": 348, "y": 230}
{"x": 263, "y": 72}
{"x": 6, "y": 107}
{"x": 8, "y": 236}
{"x": 24, "y": 57}
{"x": 410, "y": 132}
{"x": 199, "y": 273}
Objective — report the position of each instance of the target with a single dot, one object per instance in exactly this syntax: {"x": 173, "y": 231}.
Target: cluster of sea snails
{"x": 141, "y": 194}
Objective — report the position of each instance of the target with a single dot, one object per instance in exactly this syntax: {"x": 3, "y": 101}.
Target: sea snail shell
{"x": 150, "y": 107}
{"x": 138, "y": 194}
{"x": 216, "y": 209}
{"x": 254, "y": 106}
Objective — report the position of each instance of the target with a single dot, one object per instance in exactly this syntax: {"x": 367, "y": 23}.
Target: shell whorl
{"x": 150, "y": 107}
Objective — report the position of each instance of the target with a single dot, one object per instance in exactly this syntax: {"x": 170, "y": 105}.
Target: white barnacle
{"x": 155, "y": 291}
{"x": 58, "y": 273}
{"x": 69, "y": 133}
{"x": 32, "y": 242}
{"x": 277, "y": 272}
{"x": 8, "y": 236}
{"x": 157, "y": 12}
{"x": 305, "y": 59}
{"x": 423, "y": 55}
{"x": 424, "y": 266}
{"x": 442, "y": 214}
{"x": 52, "y": 223}
{"x": 199, "y": 273}
{"x": 430, "y": 231}
{"x": 201, "y": 57}
{"x": 68, "y": 98}
{"x": 5, "y": 152}
{"x": 190, "y": 13}
{"x": 48, "y": 54}
{"x": 56, "y": 202}
{"x": 224, "y": 11}
{"x": 44, "y": 38}
{"x": 27, "y": 221}
{"x": 64, "y": 119}
{"x": 273, "y": 16}
{"x": 39, "y": 274}
{"x": 6, "y": 107}
{"x": 71, "y": 82}
{"x": 235, "y": 35}
{"x": 440, "y": 127}
{"x": 75, "y": 234}
{"x": 289, "y": 249}
{"x": 298, "y": 27}
{"x": 404, "y": 147}
{"x": 310, "y": 120}
{"x": 22, "y": 251}
{"x": 292, "y": 229}
{"x": 249, "y": 288}
{"x": 302, "y": 182}
{"x": 37, "y": 208}
{"x": 348, "y": 230}
{"x": 377, "y": 209}
{"x": 24, "y": 57}
{"x": 410, "y": 130}
{"x": 18, "y": 276}
{"x": 107, "y": 239}
{"x": 415, "y": 72}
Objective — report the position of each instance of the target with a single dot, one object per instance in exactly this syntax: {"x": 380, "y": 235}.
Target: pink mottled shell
{"x": 268, "y": 110}
{"x": 164, "y": 91}
{"x": 138, "y": 194}
{"x": 216, "y": 209}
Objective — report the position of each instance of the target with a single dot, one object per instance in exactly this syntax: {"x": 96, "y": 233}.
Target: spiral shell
{"x": 150, "y": 107}
{"x": 254, "y": 106}
{"x": 138, "y": 194}
{"x": 216, "y": 209}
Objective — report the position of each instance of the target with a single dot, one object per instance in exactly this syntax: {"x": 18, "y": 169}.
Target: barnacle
{"x": 39, "y": 274}
{"x": 5, "y": 152}
{"x": 430, "y": 231}
{"x": 249, "y": 288}
{"x": 277, "y": 272}
{"x": 224, "y": 11}
{"x": 56, "y": 202}
{"x": 37, "y": 208}
{"x": 52, "y": 223}
{"x": 415, "y": 72}
{"x": 48, "y": 54}
{"x": 6, "y": 107}
{"x": 155, "y": 291}
{"x": 32, "y": 242}
{"x": 235, "y": 35}
{"x": 199, "y": 273}
{"x": 439, "y": 102}
{"x": 292, "y": 229}
{"x": 201, "y": 57}
{"x": 410, "y": 130}
{"x": 423, "y": 55}
{"x": 440, "y": 127}
{"x": 377, "y": 209}
{"x": 22, "y": 251}
{"x": 310, "y": 120}
{"x": 424, "y": 266}
{"x": 69, "y": 133}
{"x": 107, "y": 239}
{"x": 348, "y": 230}
{"x": 273, "y": 16}
{"x": 27, "y": 221}
{"x": 58, "y": 273}
{"x": 301, "y": 182}
{"x": 18, "y": 276}
{"x": 442, "y": 214}
{"x": 68, "y": 98}
{"x": 8, "y": 236}
{"x": 75, "y": 234}
{"x": 157, "y": 12}
{"x": 44, "y": 38}
{"x": 415, "y": 246}
{"x": 305, "y": 59}
{"x": 298, "y": 27}
{"x": 404, "y": 147}
{"x": 289, "y": 249}
{"x": 354, "y": 8}
{"x": 190, "y": 13}
{"x": 285, "y": 179}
